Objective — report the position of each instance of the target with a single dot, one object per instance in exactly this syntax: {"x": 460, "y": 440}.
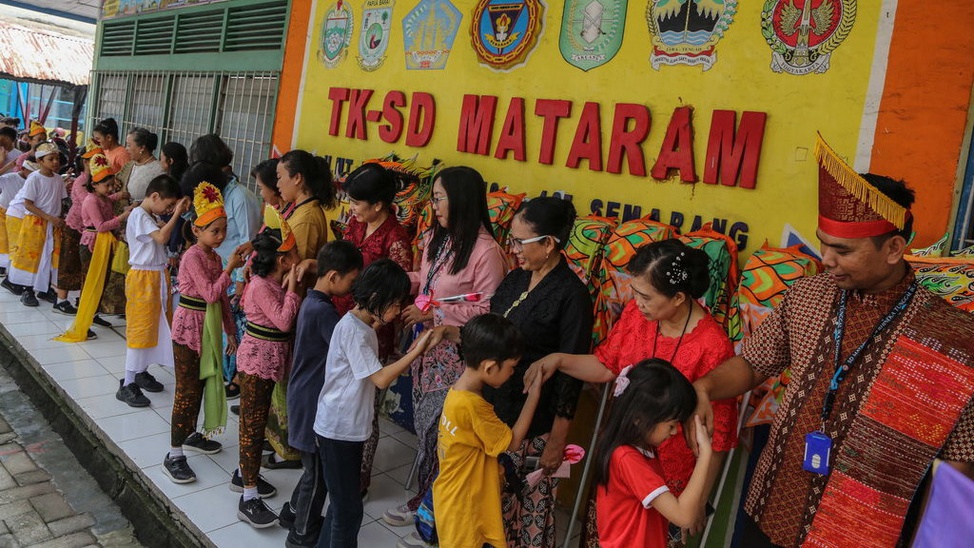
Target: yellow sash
{"x": 4, "y": 245}
{"x": 13, "y": 233}
{"x": 143, "y": 307}
{"x": 27, "y": 254}
{"x": 92, "y": 291}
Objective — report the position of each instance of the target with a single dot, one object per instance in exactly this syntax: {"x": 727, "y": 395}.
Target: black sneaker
{"x": 199, "y": 443}
{"x": 285, "y": 517}
{"x": 235, "y": 409}
{"x": 131, "y": 395}
{"x": 178, "y": 469}
{"x": 98, "y": 320}
{"x": 91, "y": 335}
{"x": 273, "y": 462}
{"x": 256, "y": 513}
{"x": 48, "y": 296}
{"x": 233, "y": 391}
{"x": 147, "y": 382}
{"x": 66, "y": 308}
{"x": 12, "y": 287}
{"x": 264, "y": 488}
{"x": 3, "y": 271}
{"x": 28, "y": 298}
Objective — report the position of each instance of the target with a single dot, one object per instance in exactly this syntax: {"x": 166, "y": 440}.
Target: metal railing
{"x": 182, "y": 105}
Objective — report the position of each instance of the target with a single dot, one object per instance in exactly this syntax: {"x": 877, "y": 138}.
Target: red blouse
{"x": 631, "y": 340}
{"x": 388, "y": 241}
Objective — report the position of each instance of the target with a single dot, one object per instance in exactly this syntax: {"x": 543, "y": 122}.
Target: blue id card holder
{"x": 818, "y": 449}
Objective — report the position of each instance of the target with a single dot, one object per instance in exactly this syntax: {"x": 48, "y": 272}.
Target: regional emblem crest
{"x": 429, "y": 31}
{"x": 804, "y": 33}
{"x": 686, "y": 32}
{"x": 374, "y": 38}
{"x": 505, "y": 32}
{"x": 591, "y": 31}
{"x": 336, "y": 34}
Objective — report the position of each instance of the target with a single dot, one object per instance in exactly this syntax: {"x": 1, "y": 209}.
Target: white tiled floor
{"x": 89, "y": 372}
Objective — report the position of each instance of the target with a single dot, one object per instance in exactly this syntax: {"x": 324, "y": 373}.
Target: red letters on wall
{"x": 732, "y": 156}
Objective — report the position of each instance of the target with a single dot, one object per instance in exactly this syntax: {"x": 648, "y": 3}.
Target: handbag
{"x": 120, "y": 258}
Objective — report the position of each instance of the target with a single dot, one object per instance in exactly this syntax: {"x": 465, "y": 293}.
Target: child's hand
{"x": 542, "y": 370}
{"x": 57, "y": 222}
{"x": 123, "y": 195}
{"x": 423, "y": 342}
{"x": 244, "y": 249}
{"x": 234, "y": 261}
{"x": 182, "y": 206}
{"x": 305, "y": 266}
{"x": 231, "y": 345}
{"x": 701, "y": 436}
{"x": 534, "y": 389}
{"x": 291, "y": 279}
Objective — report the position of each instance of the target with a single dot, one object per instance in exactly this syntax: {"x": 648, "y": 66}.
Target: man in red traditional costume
{"x": 854, "y": 435}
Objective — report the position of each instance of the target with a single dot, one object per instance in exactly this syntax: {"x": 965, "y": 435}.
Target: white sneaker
{"x": 400, "y": 516}
{"x": 413, "y": 541}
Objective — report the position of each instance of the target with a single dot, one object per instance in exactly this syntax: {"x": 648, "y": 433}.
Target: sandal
{"x": 233, "y": 391}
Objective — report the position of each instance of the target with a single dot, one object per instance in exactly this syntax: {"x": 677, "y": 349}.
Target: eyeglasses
{"x": 517, "y": 245}
{"x": 436, "y": 200}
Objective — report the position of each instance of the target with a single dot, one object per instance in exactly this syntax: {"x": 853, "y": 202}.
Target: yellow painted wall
{"x": 740, "y": 80}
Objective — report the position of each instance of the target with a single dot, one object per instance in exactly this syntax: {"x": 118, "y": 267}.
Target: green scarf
{"x": 211, "y": 371}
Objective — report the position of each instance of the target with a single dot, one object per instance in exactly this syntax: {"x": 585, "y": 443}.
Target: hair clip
{"x": 622, "y": 381}
{"x": 677, "y": 272}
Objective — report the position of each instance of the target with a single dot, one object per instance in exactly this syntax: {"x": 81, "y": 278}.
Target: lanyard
{"x": 842, "y": 368}
{"x": 442, "y": 256}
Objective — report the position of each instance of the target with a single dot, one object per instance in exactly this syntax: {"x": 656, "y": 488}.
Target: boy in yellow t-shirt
{"x": 467, "y": 493}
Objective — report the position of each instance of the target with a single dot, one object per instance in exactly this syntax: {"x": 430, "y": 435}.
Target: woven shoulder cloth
{"x": 913, "y": 405}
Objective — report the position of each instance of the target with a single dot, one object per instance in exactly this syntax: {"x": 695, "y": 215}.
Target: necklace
{"x": 679, "y": 341}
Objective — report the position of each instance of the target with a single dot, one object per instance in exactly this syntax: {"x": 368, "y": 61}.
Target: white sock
{"x": 129, "y": 377}
{"x": 61, "y": 301}
{"x": 249, "y": 493}
{"x": 175, "y": 452}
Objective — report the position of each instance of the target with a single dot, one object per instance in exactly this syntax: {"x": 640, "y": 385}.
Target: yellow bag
{"x": 120, "y": 258}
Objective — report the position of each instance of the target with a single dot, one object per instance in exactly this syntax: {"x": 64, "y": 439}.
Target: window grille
{"x": 181, "y": 106}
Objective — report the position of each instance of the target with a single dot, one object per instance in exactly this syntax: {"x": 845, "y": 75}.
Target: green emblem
{"x": 591, "y": 31}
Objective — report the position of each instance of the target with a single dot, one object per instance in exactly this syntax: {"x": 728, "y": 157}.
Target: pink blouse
{"x": 201, "y": 276}
{"x": 78, "y": 194}
{"x": 484, "y": 271}
{"x": 97, "y": 214}
{"x": 267, "y": 304}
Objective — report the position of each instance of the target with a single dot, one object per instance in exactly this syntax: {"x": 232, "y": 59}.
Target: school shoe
{"x": 131, "y": 394}
{"x": 3, "y": 271}
{"x": 29, "y": 299}
{"x": 285, "y": 518}
{"x": 147, "y": 382}
{"x": 201, "y": 444}
{"x": 413, "y": 541}
{"x": 48, "y": 296}
{"x": 98, "y": 320}
{"x": 17, "y": 290}
{"x": 178, "y": 469}
{"x": 256, "y": 513}
{"x": 91, "y": 335}
{"x": 400, "y": 516}
{"x": 235, "y": 409}
{"x": 295, "y": 540}
{"x": 66, "y": 308}
{"x": 264, "y": 488}
{"x": 273, "y": 462}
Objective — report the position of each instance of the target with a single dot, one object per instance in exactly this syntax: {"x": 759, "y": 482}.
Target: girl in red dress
{"x": 634, "y": 500}
{"x": 663, "y": 321}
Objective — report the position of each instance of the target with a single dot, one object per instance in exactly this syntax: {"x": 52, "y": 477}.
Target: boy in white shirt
{"x": 32, "y": 257}
{"x": 147, "y": 293}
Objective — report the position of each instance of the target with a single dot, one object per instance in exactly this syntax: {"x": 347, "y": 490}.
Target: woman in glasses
{"x": 552, "y": 308}
{"x": 460, "y": 257}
